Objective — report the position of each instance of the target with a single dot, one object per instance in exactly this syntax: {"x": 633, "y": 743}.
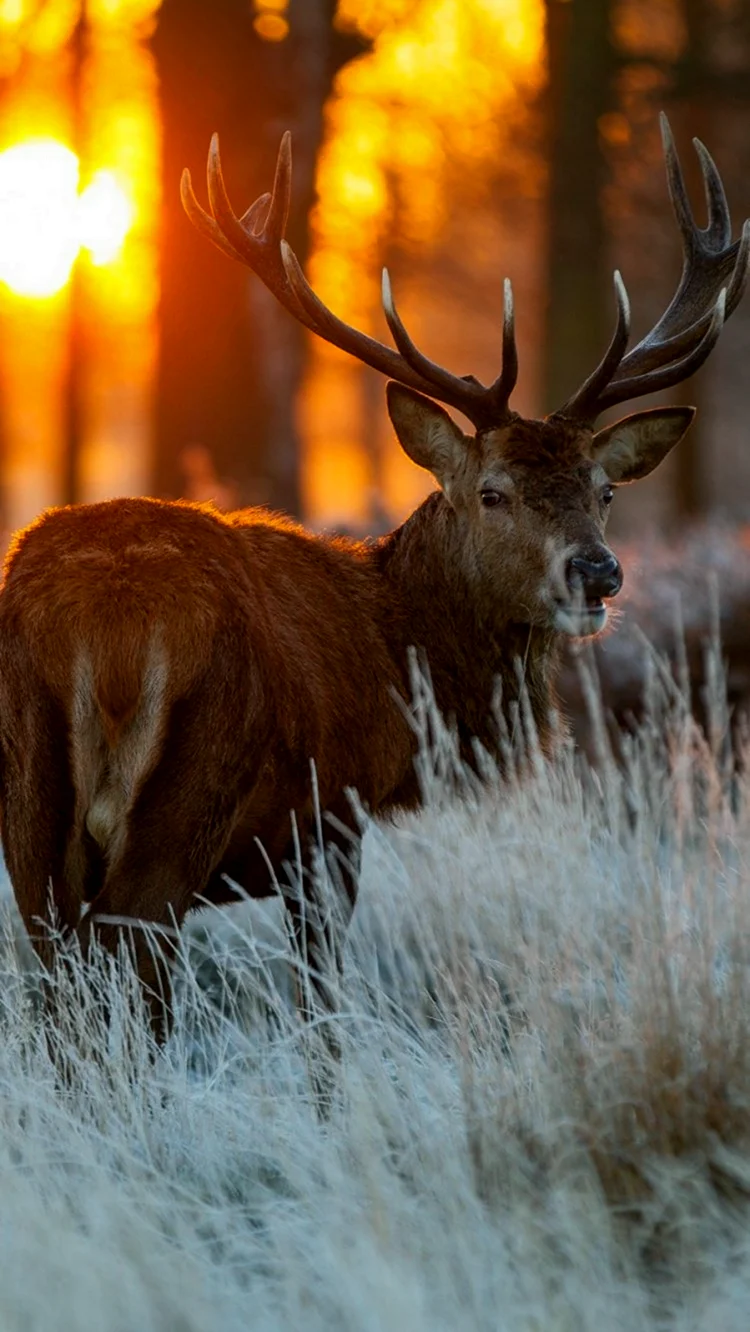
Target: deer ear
{"x": 633, "y": 447}
{"x": 426, "y": 433}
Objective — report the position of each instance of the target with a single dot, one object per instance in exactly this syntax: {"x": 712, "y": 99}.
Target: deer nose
{"x": 595, "y": 578}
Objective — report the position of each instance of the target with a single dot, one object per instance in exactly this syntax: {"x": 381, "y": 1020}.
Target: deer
{"x": 188, "y": 698}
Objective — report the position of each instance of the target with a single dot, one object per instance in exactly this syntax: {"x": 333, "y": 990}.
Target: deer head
{"x": 530, "y": 497}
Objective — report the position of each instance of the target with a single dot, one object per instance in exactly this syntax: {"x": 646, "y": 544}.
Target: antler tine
{"x": 470, "y": 390}
{"x": 248, "y": 241}
{"x": 676, "y": 184}
{"x": 255, "y": 217}
{"x": 666, "y": 376}
{"x": 244, "y": 240}
{"x": 710, "y": 262}
{"x": 719, "y": 228}
{"x": 501, "y": 388}
{"x": 741, "y": 271}
{"x": 665, "y": 351}
{"x": 485, "y": 406}
{"x": 663, "y": 361}
{"x": 201, "y": 220}
{"x": 278, "y": 211}
{"x": 713, "y": 278}
{"x": 348, "y": 339}
{"x": 257, "y": 240}
{"x": 408, "y": 365}
{"x": 585, "y": 401}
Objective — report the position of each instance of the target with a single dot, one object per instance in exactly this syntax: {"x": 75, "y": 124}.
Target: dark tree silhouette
{"x": 230, "y": 361}
{"x": 581, "y": 66}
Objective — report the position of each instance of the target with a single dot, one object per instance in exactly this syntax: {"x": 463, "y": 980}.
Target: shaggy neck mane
{"x": 468, "y": 642}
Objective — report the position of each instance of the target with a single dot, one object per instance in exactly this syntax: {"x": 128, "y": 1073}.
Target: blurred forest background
{"x": 456, "y": 141}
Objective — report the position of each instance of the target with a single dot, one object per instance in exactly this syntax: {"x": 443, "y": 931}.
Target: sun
{"x": 45, "y": 221}
{"x": 105, "y": 215}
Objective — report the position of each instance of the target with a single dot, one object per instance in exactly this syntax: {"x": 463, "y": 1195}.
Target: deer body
{"x": 167, "y": 675}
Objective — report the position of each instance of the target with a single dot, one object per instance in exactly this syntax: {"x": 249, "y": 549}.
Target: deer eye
{"x": 491, "y": 498}
{"x": 607, "y": 496}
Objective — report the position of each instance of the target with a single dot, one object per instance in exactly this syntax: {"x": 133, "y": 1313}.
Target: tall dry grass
{"x": 542, "y": 1112}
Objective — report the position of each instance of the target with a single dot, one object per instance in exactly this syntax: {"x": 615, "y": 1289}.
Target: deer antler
{"x": 714, "y": 274}
{"x": 257, "y": 240}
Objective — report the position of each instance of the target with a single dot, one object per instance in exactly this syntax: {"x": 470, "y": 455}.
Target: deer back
{"x": 116, "y": 612}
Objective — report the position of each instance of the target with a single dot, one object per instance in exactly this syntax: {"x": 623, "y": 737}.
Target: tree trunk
{"x": 692, "y": 83}
{"x": 581, "y": 304}
{"x": 231, "y": 360}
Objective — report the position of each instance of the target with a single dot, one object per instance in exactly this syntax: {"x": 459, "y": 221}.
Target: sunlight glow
{"x": 270, "y": 22}
{"x": 271, "y": 27}
{"x": 440, "y": 72}
{"x": 44, "y": 222}
{"x": 437, "y": 115}
{"x": 38, "y": 214}
{"x": 105, "y": 216}
{"x": 11, "y": 11}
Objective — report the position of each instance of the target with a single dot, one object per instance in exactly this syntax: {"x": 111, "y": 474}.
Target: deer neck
{"x": 476, "y": 655}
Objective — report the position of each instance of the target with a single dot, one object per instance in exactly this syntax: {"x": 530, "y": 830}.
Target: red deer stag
{"x": 167, "y": 673}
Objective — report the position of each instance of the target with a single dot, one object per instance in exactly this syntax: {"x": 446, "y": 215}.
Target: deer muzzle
{"x": 593, "y": 580}
{"x": 588, "y": 584}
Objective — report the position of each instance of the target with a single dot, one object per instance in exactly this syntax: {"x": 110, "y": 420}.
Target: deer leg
{"x": 174, "y": 836}
{"x": 36, "y": 813}
{"x": 147, "y": 892}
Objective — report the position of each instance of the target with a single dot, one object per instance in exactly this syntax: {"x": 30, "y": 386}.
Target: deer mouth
{"x": 580, "y": 618}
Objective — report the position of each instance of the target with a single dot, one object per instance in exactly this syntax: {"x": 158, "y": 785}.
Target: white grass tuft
{"x": 542, "y": 1116}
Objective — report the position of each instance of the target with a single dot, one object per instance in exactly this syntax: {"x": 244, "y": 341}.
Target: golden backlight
{"x": 45, "y": 221}
{"x": 416, "y": 132}
{"x": 38, "y": 216}
{"x": 78, "y": 359}
{"x": 105, "y": 215}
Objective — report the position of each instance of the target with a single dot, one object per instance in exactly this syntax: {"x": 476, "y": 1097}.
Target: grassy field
{"x": 542, "y": 1112}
